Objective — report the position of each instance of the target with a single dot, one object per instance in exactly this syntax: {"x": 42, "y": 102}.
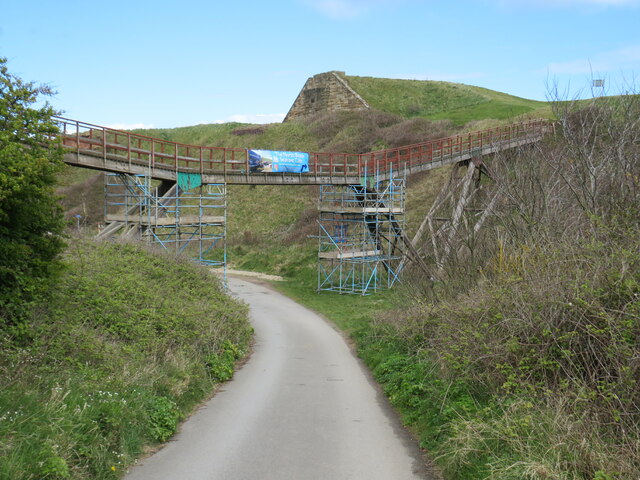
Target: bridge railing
{"x": 456, "y": 146}
{"x": 132, "y": 148}
{"x": 135, "y": 149}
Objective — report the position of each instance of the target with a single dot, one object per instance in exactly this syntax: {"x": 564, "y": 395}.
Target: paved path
{"x": 302, "y": 408}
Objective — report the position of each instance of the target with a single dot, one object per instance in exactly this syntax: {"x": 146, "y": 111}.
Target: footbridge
{"x": 110, "y": 150}
{"x": 175, "y": 195}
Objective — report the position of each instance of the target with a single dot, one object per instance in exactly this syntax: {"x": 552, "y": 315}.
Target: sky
{"x": 161, "y": 64}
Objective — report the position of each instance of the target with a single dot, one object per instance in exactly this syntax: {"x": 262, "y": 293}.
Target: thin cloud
{"x": 622, "y": 59}
{"x": 571, "y": 3}
{"x": 129, "y": 126}
{"x": 350, "y": 9}
{"x": 255, "y": 118}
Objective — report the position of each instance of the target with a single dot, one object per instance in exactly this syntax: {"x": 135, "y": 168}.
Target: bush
{"x": 31, "y": 222}
{"x": 536, "y": 316}
{"x": 163, "y": 416}
{"x": 221, "y": 365}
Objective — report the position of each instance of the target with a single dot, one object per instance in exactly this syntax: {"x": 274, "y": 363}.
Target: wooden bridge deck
{"x": 110, "y": 150}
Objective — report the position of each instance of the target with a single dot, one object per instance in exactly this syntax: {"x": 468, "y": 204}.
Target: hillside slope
{"x": 286, "y": 211}
{"x": 125, "y": 345}
{"x": 434, "y": 100}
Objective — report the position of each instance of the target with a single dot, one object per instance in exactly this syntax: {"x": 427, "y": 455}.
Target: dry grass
{"x": 541, "y": 312}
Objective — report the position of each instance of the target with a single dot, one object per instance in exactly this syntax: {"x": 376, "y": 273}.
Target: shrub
{"x": 31, "y": 222}
{"x": 537, "y": 314}
{"x": 163, "y": 417}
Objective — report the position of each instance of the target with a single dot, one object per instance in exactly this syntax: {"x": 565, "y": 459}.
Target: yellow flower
{"x": 113, "y": 468}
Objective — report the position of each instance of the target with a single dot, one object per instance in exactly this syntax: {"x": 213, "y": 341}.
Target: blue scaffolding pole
{"x": 188, "y": 219}
{"x": 360, "y": 247}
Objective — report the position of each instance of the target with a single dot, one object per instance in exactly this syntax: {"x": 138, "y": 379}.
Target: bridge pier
{"x": 456, "y": 216}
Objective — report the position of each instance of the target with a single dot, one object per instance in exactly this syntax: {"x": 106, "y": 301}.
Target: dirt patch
{"x": 247, "y": 274}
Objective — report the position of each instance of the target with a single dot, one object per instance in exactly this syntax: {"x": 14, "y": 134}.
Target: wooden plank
{"x": 166, "y": 221}
{"x": 360, "y": 210}
{"x": 344, "y": 254}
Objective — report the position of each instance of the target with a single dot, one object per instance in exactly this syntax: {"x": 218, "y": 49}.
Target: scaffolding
{"x": 361, "y": 244}
{"x": 182, "y": 218}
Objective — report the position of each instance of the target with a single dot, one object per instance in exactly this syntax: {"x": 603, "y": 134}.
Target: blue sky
{"x": 168, "y": 63}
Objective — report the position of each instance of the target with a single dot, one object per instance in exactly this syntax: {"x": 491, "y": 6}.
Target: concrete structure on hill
{"x": 326, "y": 92}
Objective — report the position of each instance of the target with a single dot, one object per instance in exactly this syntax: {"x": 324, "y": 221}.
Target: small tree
{"x": 31, "y": 220}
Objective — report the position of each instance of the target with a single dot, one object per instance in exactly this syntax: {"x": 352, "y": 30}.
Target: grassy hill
{"x": 400, "y": 104}
{"x": 456, "y": 102}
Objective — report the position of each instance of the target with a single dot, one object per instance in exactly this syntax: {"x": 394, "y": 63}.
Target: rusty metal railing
{"x": 455, "y": 146}
{"x": 135, "y": 149}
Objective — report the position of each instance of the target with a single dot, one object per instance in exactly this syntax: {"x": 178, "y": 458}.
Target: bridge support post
{"x": 456, "y": 216}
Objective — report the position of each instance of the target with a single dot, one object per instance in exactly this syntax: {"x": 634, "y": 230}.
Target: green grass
{"x": 258, "y": 212}
{"x": 125, "y": 346}
{"x": 280, "y": 136}
{"x": 442, "y": 100}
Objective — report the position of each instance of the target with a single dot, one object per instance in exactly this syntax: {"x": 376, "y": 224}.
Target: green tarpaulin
{"x": 187, "y": 181}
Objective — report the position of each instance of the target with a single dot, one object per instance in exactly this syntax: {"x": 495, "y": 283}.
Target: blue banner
{"x": 275, "y": 161}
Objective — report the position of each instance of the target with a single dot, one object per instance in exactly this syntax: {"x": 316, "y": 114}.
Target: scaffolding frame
{"x": 361, "y": 244}
{"x": 185, "y": 222}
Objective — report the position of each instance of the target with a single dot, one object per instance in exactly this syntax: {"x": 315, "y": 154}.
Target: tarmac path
{"x": 302, "y": 408}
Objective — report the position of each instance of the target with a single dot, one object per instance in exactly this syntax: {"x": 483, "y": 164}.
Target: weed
{"x": 163, "y": 417}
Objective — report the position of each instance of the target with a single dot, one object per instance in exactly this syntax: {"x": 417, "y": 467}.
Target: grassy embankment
{"x": 126, "y": 345}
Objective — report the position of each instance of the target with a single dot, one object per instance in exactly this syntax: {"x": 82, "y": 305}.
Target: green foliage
{"x": 163, "y": 417}
{"x": 51, "y": 465}
{"x": 220, "y": 366}
{"x": 31, "y": 222}
{"x": 118, "y": 356}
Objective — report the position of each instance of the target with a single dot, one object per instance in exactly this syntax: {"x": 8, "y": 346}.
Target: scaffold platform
{"x": 361, "y": 228}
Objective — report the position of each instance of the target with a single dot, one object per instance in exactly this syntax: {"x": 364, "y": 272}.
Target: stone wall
{"x": 325, "y": 92}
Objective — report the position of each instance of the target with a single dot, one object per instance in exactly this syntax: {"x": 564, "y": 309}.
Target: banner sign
{"x": 275, "y": 161}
